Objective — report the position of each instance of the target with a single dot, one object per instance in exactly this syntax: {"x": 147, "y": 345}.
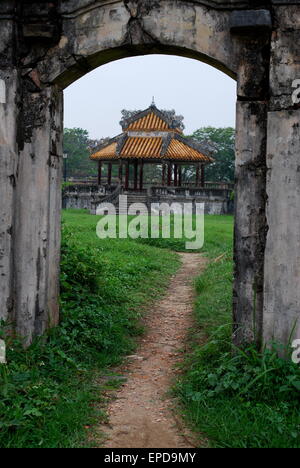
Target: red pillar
{"x": 203, "y": 175}
{"x": 109, "y": 168}
{"x": 99, "y": 172}
{"x": 163, "y": 174}
{"x": 179, "y": 176}
{"x": 121, "y": 172}
{"x": 175, "y": 175}
{"x": 169, "y": 174}
{"x": 141, "y": 174}
{"x": 136, "y": 175}
{"x": 197, "y": 175}
{"x": 127, "y": 176}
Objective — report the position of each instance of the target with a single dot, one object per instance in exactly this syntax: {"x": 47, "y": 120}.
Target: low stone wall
{"x": 82, "y": 196}
{"x": 212, "y": 207}
{"x": 217, "y": 201}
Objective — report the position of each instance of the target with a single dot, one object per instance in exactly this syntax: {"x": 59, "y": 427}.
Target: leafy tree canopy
{"x": 223, "y": 139}
{"x": 76, "y": 146}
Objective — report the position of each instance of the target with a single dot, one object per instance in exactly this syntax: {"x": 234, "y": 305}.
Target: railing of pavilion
{"x": 191, "y": 192}
{"x": 207, "y": 185}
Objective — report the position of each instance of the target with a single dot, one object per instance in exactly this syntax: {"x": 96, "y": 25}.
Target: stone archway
{"x": 47, "y": 46}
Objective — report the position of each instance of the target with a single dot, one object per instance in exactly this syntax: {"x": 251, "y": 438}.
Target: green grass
{"x": 50, "y": 393}
{"x": 235, "y": 398}
{"x": 218, "y": 237}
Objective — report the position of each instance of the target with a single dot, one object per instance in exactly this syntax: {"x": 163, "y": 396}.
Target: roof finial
{"x": 153, "y": 102}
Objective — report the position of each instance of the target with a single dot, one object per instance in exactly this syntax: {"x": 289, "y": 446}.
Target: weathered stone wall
{"x": 85, "y": 197}
{"x": 82, "y": 197}
{"x": 212, "y": 206}
{"x": 45, "y": 46}
{"x": 9, "y": 84}
{"x": 30, "y": 148}
{"x": 216, "y": 201}
{"x": 282, "y": 257}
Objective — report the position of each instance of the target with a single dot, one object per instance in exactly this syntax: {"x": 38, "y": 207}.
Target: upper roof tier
{"x": 151, "y": 119}
{"x": 151, "y": 122}
{"x": 153, "y": 135}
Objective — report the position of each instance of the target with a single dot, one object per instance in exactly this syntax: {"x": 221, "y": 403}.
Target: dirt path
{"x": 141, "y": 415}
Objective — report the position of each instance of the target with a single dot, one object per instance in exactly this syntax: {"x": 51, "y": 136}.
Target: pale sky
{"x": 199, "y": 92}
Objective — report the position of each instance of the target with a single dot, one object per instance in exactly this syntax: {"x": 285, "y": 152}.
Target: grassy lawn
{"x": 48, "y": 394}
{"x": 235, "y": 398}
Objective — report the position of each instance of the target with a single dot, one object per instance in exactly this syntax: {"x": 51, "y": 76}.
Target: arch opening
{"x": 86, "y": 38}
{"x": 87, "y": 64}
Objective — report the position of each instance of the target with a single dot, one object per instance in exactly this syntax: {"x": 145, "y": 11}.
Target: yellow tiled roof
{"x": 181, "y": 151}
{"x": 151, "y": 148}
{"x": 150, "y": 134}
{"x": 106, "y": 153}
{"x": 142, "y": 147}
{"x": 150, "y": 122}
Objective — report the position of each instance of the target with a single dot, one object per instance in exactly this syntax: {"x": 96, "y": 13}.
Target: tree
{"x": 76, "y": 145}
{"x": 223, "y": 139}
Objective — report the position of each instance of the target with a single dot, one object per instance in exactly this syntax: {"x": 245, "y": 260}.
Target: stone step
{"x": 122, "y": 207}
{"x": 135, "y": 214}
{"x": 141, "y": 202}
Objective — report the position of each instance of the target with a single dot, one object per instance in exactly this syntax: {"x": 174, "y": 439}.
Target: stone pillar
{"x": 30, "y": 190}
{"x": 282, "y": 261}
{"x": 250, "y": 223}
{"x": 54, "y": 229}
{"x": 9, "y": 83}
{"x": 37, "y": 211}
{"x": 250, "y": 186}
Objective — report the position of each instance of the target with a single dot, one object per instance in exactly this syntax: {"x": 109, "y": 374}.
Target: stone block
{"x": 246, "y": 22}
